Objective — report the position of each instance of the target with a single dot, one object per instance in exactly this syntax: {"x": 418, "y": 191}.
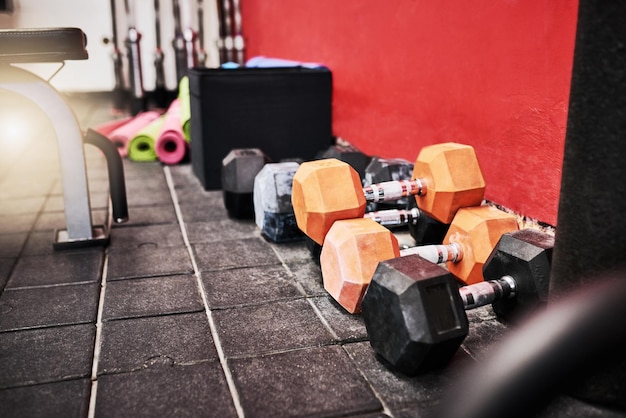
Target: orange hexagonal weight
{"x": 349, "y": 258}
{"x": 477, "y": 230}
{"x": 323, "y": 192}
{"x": 453, "y": 179}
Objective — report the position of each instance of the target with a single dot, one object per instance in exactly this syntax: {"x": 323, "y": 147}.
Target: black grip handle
{"x": 117, "y": 185}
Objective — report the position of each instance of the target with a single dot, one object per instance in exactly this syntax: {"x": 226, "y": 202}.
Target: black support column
{"x": 591, "y": 226}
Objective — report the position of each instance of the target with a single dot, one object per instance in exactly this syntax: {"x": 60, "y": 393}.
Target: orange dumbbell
{"x": 446, "y": 177}
{"x": 353, "y": 248}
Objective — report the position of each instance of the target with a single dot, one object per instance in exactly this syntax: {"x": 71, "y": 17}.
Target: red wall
{"x": 407, "y": 73}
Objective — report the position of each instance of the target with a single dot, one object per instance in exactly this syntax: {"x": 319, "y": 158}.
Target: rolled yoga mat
{"x": 185, "y": 107}
{"x": 107, "y": 127}
{"x": 171, "y": 146}
{"x": 142, "y": 146}
{"x": 122, "y": 135}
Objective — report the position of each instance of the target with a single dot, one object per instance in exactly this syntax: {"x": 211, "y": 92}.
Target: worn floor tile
{"x": 166, "y": 235}
{"x": 46, "y": 354}
{"x": 202, "y": 232}
{"x": 6, "y": 264}
{"x": 199, "y": 211}
{"x": 68, "y": 399}
{"x": 20, "y": 187}
{"x": 197, "y": 390}
{"x": 251, "y": 285}
{"x": 484, "y": 332}
{"x": 269, "y": 327}
{"x": 309, "y": 276}
{"x": 134, "y": 170}
{"x": 320, "y": 381}
{"x": 149, "y": 197}
{"x": 22, "y": 222}
{"x": 183, "y": 176}
{"x": 151, "y": 296}
{"x": 292, "y": 252}
{"x": 33, "y": 307}
{"x": 190, "y": 195}
{"x": 148, "y": 261}
{"x": 21, "y": 206}
{"x": 60, "y": 267}
{"x": 234, "y": 254}
{"x": 131, "y": 344}
{"x": 152, "y": 180}
{"x": 41, "y": 243}
{"x": 398, "y": 391}
{"x": 11, "y": 244}
{"x": 148, "y": 215}
{"x": 347, "y": 326}
{"x": 563, "y": 406}
{"x": 198, "y": 205}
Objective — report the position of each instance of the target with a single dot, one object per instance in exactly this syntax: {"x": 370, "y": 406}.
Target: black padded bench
{"x": 59, "y": 45}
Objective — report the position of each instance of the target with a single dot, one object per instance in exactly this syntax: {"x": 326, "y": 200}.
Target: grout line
{"x": 308, "y": 299}
{"x": 378, "y": 396}
{"x": 98, "y": 342}
{"x": 386, "y": 410}
{"x": 216, "y": 339}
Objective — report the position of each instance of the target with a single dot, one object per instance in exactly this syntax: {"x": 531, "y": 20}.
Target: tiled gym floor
{"x": 186, "y": 312}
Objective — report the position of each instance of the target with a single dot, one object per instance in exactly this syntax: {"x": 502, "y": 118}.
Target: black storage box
{"x": 286, "y": 112}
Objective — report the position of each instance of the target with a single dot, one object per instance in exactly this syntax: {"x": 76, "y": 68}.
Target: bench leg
{"x": 80, "y": 231}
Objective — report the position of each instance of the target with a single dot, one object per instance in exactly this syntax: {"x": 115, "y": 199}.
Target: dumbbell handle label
{"x": 484, "y": 293}
{"x": 436, "y": 253}
{"x": 393, "y": 190}
{"x": 394, "y": 217}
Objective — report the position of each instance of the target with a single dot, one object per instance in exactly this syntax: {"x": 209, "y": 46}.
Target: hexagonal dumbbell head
{"x": 353, "y": 248}
{"x": 453, "y": 179}
{"x": 325, "y": 191}
{"x": 349, "y": 256}
{"x": 413, "y": 314}
{"x": 349, "y": 154}
{"x": 273, "y": 212}
{"x": 239, "y": 168}
{"x": 526, "y": 256}
{"x": 477, "y": 230}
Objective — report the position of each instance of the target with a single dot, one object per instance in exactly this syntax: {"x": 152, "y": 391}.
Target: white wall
{"x": 94, "y": 18}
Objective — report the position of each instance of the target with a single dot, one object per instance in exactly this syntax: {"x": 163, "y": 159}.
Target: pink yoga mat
{"x": 107, "y": 127}
{"x": 124, "y": 133}
{"x": 171, "y": 146}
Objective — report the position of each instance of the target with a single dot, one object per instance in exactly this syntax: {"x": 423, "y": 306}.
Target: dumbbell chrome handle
{"x": 485, "y": 293}
{"x": 394, "y": 217}
{"x": 437, "y": 254}
{"x": 394, "y": 190}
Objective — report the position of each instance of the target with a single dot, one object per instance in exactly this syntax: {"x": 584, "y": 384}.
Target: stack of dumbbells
{"x": 466, "y": 254}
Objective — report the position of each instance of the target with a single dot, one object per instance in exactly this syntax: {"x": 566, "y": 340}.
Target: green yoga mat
{"x": 141, "y": 146}
{"x": 185, "y": 107}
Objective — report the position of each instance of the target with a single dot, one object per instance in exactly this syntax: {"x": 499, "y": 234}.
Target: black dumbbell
{"x": 414, "y": 310}
{"x": 274, "y": 213}
{"x": 271, "y": 196}
{"x": 241, "y": 165}
{"x": 347, "y": 153}
{"x": 239, "y": 168}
